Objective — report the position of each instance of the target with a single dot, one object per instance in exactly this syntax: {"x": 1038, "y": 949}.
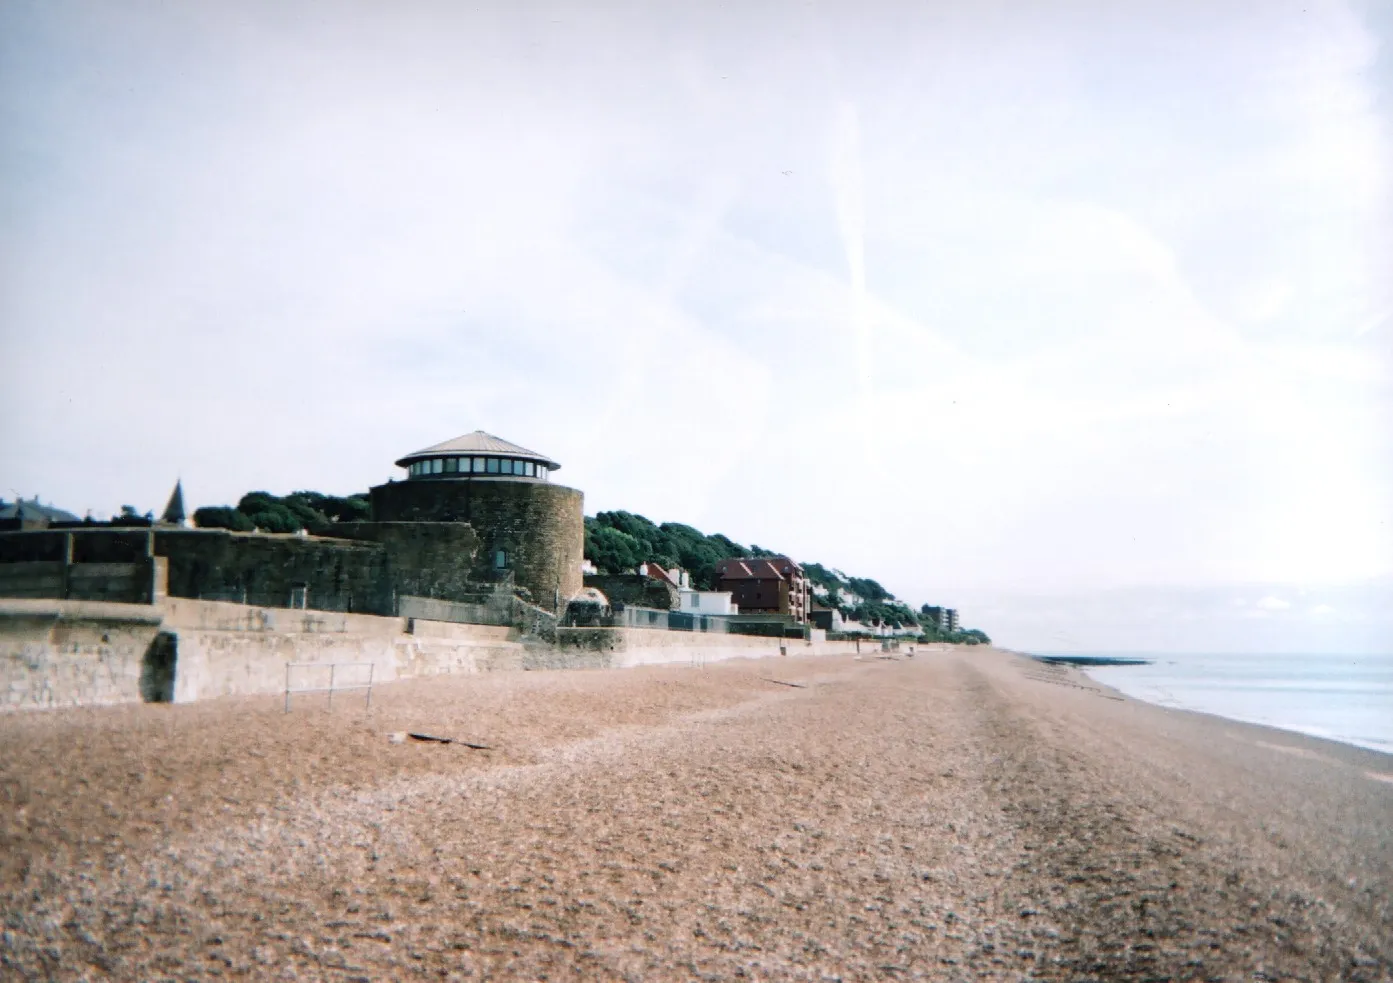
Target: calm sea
{"x": 1347, "y": 698}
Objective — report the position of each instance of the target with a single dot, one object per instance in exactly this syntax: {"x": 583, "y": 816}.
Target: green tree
{"x": 221, "y": 517}
{"x": 612, "y": 550}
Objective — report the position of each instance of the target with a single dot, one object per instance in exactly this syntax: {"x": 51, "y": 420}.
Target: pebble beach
{"x": 966, "y": 813}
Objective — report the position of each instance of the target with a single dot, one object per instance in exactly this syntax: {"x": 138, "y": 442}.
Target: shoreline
{"x": 1084, "y": 667}
{"x": 1276, "y": 729}
{"x": 1084, "y": 663}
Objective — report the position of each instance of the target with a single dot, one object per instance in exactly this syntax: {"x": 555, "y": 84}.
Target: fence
{"x": 334, "y": 681}
{"x": 633, "y": 616}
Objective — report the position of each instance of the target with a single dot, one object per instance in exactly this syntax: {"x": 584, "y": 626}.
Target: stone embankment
{"x": 80, "y": 653}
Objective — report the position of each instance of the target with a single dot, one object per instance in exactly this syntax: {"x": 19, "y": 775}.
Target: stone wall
{"x": 620, "y": 647}
{"x": 95, "y": 545}
{"x": 84, "y": 565}
{"x": 636, "y": 590}
{"x": 337, "y": 574}
{"x": 538, "y": 526}
{"x": 68, "y": 653}
{"x": 423, "y": 559}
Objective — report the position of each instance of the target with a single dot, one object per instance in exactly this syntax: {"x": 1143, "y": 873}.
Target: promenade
{"x": 965, "y": 814}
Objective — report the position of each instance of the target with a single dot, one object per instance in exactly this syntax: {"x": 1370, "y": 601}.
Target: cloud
{"x": 949, "y": 303}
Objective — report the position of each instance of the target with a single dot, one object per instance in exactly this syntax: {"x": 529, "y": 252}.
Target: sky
{"x": 1075, "y": 315}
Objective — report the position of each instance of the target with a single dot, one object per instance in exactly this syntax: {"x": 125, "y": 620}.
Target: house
{"x": 766, "y": 585}
{"x": 944, "y": 619}
{"x": 828, "y": 619}
{"x": 707, "y": 602}
{"x": 676, "y": 578}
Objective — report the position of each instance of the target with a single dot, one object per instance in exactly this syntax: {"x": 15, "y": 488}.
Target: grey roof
{"x": 483, "y": 444}
{"x": 11, "y": 510}
{"x": 174, "y": 511}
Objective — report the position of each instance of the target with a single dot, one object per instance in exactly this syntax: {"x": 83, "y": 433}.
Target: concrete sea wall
{"x": 620, "y": 647}
{"x": 66, "y": 653}
{"x": 81, "y": 653}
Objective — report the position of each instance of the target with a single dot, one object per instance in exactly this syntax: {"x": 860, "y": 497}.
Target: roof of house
{"x": 481, "y": 443}
{"x": 754, "y": 568}
{"x": 656, "y": 572}
{"x": 32, "y": 509}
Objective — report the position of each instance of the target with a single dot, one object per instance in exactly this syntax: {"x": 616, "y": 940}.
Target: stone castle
{"x": 476, "y": 516}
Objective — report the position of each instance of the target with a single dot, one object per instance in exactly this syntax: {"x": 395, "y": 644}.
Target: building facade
{"x": 766, "y": 585}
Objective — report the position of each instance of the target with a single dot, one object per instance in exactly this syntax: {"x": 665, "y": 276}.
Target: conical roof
{"x": 482, "y": 444}
{"x": 174, "y": 511}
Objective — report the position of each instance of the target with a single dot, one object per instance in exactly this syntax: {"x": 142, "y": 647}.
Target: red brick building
{"x": 766, "y": 585}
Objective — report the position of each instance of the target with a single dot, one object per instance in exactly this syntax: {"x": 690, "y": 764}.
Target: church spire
{"x": 174, "y": 511}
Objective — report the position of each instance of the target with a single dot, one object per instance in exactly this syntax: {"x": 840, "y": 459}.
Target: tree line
{"x": 313, "y": 512}
{"x": 617, "y": 542}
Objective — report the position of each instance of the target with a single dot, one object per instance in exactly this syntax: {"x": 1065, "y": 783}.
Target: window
{"x": 478, "y": 465}
{"x": 451, "y": 465}
{"x": 507, "y": 466}
{"x": 436, "y": 466}
{"x": 493, "y": 465}
{"x": 696, "y": 600}
{"x": 527, "y": 468}
{"x": 411, "y": 469}
{"x": 500, "y": 560}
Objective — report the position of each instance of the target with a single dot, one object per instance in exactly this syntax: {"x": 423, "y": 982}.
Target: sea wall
{"x": 79, "y": 653}
{"x": 75, "y": 653}
{"x": 231, "y": 650}
{"x": 619, "y": 647}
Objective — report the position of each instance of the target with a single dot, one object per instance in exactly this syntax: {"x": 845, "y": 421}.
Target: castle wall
{"x": 424, "y": 559}
{"x": 538, "y": 525}
{"x": 262, "y": 569}
{"x": 83, "y": 565}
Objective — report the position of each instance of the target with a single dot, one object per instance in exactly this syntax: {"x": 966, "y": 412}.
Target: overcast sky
{"x": 985, "y": 300}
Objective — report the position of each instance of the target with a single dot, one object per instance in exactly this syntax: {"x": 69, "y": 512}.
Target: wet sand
{"x": 960, "y": 815}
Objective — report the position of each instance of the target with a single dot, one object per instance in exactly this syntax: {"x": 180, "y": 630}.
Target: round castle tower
{"x": 527, "y": 525}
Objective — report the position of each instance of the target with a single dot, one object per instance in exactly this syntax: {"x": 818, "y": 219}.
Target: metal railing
{"x": 334, "y": 685}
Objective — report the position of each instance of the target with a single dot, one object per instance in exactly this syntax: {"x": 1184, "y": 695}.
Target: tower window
{"x": 500, "y": 560}
{"x": 493, "y": 465}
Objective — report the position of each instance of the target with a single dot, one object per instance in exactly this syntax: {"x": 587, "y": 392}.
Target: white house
{"x": 707, "y": 602}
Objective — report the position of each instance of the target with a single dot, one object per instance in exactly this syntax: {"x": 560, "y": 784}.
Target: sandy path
{"x": 963, "y": 815}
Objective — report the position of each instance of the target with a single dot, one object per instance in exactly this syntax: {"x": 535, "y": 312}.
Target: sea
{"x": 1346, "y": 698}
